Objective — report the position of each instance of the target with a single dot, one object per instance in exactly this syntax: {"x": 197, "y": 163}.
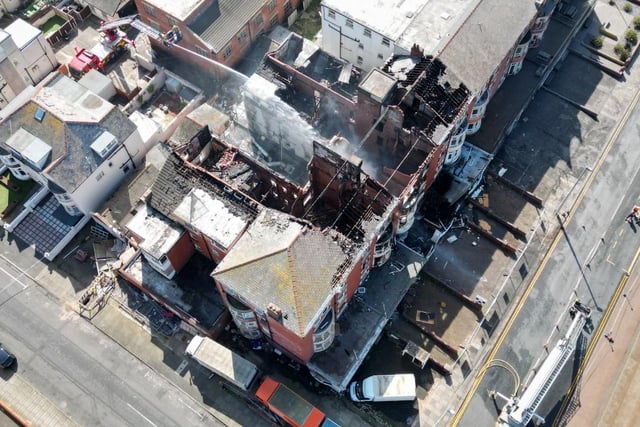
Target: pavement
{"x": 66, "y": 279}
{"x": 610, "y": 385}
{"x": 27, "y": 403}
{"x": 164, "y": 355}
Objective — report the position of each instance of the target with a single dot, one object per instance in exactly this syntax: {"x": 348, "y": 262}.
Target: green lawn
{"x": 52, "y": 25}
{"x": 308, "y": 23}
{"x": 13, "y": 191}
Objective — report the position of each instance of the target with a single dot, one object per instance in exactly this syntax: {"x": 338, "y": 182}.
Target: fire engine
{"x": 113, "y": 42}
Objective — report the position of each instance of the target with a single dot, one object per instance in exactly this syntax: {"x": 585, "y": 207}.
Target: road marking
{"x": 592, "y": 345}
{"x": 610, "y": 262}
{"x": 195, "y": 411}
{"x": 15, "y": 279}
{"x": 140, "y": 413}
{"x": 514, "y": 314}
{"x": 596, "y": 336}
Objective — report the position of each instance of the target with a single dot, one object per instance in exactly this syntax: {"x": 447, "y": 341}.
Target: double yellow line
{"x": 514, "y": 314}
{"x": 596, "y": 337}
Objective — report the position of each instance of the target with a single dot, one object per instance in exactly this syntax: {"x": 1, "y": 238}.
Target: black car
{"x": 6, "y": 359}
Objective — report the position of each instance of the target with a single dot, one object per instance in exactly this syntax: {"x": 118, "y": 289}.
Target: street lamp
{"x": 447, "y": 412}
{"x": 575, "y": 184}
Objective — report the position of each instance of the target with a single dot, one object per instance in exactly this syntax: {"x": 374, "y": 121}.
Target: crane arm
{"x": 169, "y": 38}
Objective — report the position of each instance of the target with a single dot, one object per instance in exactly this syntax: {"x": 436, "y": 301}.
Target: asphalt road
{"x": 589, "y": 256}
{"x": 84, "y": 373}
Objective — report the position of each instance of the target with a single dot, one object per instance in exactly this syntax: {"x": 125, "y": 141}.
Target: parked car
{"x": 6, "y": 359}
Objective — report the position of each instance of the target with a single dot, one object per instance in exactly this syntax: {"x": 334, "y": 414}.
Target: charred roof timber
{"x": 427, "y": 78}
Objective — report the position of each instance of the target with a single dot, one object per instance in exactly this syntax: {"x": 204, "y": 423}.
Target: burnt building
{"x": 400, "y": 119}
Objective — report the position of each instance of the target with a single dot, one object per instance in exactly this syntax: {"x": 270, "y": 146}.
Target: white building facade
{"x": 25, "y": 59}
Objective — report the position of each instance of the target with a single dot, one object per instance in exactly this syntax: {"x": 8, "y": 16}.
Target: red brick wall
{"x": 192, "y": 42}
{"x": 200, "y": 244}
{"x": 300, "y": 348}
{"x": 355, "y": 276}
{"x": 181, "y": 252}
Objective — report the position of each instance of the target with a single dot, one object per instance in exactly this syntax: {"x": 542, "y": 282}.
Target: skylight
{"x": 39, "y": 114}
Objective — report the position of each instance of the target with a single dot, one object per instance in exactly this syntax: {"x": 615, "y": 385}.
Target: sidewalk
{"x": 28, "y": 404}
{"x": 611, "y": 381}
{"x": 163, "y": 355}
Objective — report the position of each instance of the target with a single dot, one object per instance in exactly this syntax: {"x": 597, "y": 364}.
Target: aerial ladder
{"x": 519, "y": 411}
{"x": 170, "y": 38}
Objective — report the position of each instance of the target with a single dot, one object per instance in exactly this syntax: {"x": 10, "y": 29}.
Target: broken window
{"x": 242, "y": 37}
{"x": 360, "y": 60}
{"x": 227, "y": 52}
{"x": 149, "y": 10}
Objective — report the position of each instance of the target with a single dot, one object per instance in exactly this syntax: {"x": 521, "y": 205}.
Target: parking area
{"x": 11, "y": 283}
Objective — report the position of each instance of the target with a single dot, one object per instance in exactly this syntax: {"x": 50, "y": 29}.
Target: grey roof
{"x": 234, "y": 15}
{"x": 205, "y": 18}
{"x": 109, "y": 7}
{"x": 176, "y": 182}
{"x": 282, "y": 261}
{"x": 80, "y": 160}
{"x": 117, "y": 209}
{"x": 485, "y": 38}
{"x": 72, "y": 160}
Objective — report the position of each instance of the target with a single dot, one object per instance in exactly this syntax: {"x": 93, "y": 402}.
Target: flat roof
{"x": 425, "y": 22}
{"x": 22, "y": 32}
{"x": 178, "y": 9}
{"x": 29, "y": 146}
{"x": 190, "y": 290}
{"x": 72, "y": 102}
{"x": 212, "y": 216}
{"x": 378, "y": 84}
{"x": 158, "y": 233}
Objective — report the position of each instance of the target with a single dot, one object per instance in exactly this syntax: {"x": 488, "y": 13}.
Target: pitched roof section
{"x": 179, "y": 9}
{"x": 480, "y": 44}
{"x": 190, "y": 195}
{"x": 69, "y": 118}
{"x": 280, "y": 260}
{"x": 207, "y": 16}
{"x": 109, "y": 7}
{"x": 234, "y": 15}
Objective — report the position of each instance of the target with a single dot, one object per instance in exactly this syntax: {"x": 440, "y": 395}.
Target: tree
{"x": 597, "y": 42}
{"x": 631, "y": 36}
